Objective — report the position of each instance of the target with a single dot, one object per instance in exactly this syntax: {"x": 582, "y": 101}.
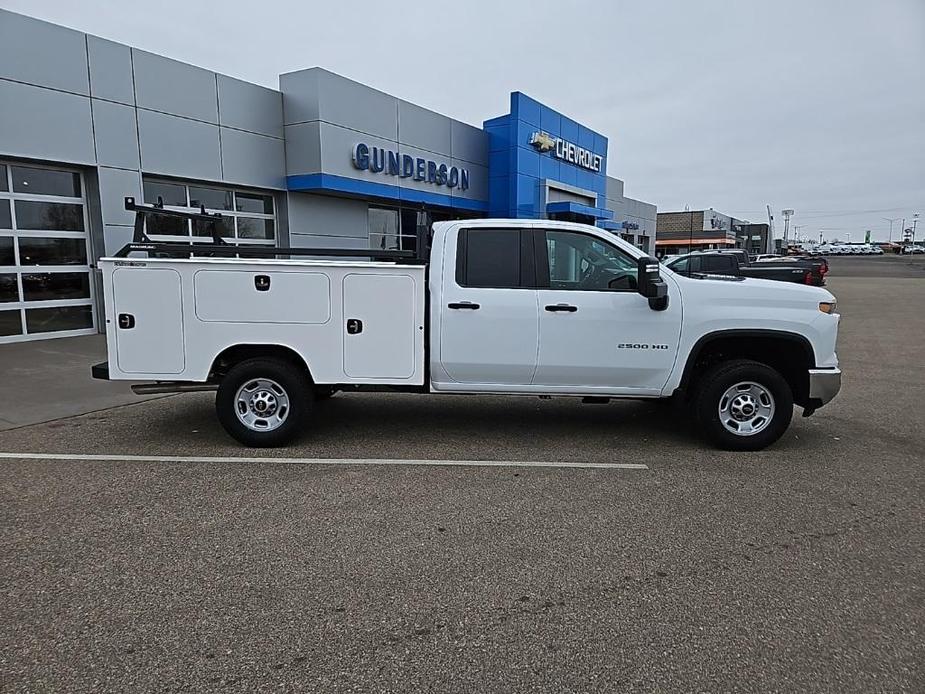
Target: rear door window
{"x": 494, "y": 258}
{"x": 717, "y": 264}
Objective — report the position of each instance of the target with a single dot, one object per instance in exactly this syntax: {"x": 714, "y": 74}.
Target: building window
{"x": 248, "y": 217}
{"x": 397, "y": 229}
{"x": 384, "y": 225}
{"x": 45, "y": 283}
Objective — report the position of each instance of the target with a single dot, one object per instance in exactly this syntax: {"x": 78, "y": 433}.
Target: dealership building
{"x": 322, "y": 162}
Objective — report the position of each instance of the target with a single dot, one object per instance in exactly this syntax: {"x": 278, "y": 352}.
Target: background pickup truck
{"x": 500, "y": 306}
{"x": 734, "y": 264}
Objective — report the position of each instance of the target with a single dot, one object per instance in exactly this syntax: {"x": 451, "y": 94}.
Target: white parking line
{"x": 316, "y": 461}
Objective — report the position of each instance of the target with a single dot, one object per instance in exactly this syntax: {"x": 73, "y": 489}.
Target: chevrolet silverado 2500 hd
{"x": 500, "y": 306}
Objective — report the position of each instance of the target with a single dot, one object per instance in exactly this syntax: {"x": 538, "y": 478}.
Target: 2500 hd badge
{"x": 639, "y": 345}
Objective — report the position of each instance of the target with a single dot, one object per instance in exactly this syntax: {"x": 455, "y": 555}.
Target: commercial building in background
{"x": 693, "y": 230}
{"x": 322, "y": 162}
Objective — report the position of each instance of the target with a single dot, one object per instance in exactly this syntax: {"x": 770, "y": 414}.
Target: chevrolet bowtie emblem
{"x": 542, "y": 141}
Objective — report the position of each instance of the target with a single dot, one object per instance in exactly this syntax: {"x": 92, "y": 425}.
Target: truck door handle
{"x": 464, "y": 304}
{"x": 126, "y": 321}
{"x": 562, "y": 307}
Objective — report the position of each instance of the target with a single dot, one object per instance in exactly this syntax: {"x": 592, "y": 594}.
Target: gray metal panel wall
{"x": 356, "y": 106}
{"x": 42, "y": 54}
{"x": 45, "y": 124}
{"x": 424, "y": 129}
{"x": 319, "y": 220}
{"x": 614, "y": 188}
{"x": 111, "y": 70}
{"x": 252, "y": 160}
{"x": 116, "y": 134}
{"x": 300, "y": 96}
{"x": 249, "y": 107}
{"x": 469, "y": 143}
{"x": 48, "y": 75}
{"x": 115, "y": 184}
{"x": 169, "y": 86}
{"x": 327, "y": 115}
{"x": 303, "y": 148}
{"x": 176, "y": 146}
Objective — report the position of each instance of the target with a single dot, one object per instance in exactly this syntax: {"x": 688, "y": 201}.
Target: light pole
{"x": 915, "y": 220}
{"x": 887, "y": 219}
{"x": 787, "y": 215}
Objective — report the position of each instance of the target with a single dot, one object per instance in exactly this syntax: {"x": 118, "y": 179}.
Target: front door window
{"x": 585, "y": 262}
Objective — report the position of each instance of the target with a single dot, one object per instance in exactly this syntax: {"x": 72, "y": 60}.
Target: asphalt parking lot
{"x": 799, "y": 568}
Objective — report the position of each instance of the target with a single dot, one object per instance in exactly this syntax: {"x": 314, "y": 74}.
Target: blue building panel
{"x": 549, "y": 168}
{"x": 527, "y": 191}
{"x": 586, "y": 137}
{"x": 568, "y": 174}
{"x": 550, "y": 121}
{"x": 577, "y": 208}
{"x": 527, "y": 162}
{"x": 569, "y": 130}
{"x": 526, "y": 109}
{"x": 559, "y": 153}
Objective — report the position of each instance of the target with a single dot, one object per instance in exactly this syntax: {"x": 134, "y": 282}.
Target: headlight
{"x": 827, "y": 306}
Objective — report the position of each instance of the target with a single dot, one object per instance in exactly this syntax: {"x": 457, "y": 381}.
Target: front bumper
{"x": 824, "y": 385}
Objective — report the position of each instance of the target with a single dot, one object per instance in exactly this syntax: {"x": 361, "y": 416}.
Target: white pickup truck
{"x": 490, "y": 306}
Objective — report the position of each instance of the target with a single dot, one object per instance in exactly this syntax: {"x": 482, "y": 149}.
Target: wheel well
{"x": 235, "y": 354}
{"x": 790, "y": 355}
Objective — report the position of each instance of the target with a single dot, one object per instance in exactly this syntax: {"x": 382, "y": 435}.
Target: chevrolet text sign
{"x": 567, "y": 151}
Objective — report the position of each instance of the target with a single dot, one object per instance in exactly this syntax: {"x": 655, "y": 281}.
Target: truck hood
{"x": 750, "y": 291}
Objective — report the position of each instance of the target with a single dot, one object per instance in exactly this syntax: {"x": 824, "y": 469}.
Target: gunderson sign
{"x": 381, "y": 160}
{"x": 567, "y": 151}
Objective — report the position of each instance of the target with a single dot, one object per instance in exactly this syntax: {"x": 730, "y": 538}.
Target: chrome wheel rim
{"x": 746, "y": 408}
{"x": 261, "y": 404}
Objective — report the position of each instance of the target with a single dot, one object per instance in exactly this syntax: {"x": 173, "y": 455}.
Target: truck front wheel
{"x": 263, "y": 402}
{"x": 743, "y": 405}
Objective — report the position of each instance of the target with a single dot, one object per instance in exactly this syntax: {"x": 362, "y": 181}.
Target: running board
{"x": 168, "y": 387}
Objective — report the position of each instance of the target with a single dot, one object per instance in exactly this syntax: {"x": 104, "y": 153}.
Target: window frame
{"x": 232, "y": 214}
{"x": 22, "y": 305}
{"x": 528, "y": 278}
{"x": 542, "y": 260}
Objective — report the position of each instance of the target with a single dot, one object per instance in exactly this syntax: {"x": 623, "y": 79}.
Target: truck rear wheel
{"x": 263, "y": 402}
{"x": 743, "y": 405}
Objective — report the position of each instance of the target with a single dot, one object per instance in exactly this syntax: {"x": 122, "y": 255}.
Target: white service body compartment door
{"x": 382, "y": 326}
{"x": 257, "y": 296}
{"x": 148, "y": 317}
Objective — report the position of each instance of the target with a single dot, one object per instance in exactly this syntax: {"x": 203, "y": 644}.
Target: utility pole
{"x": 690, "y": 239}
{"x": 887, "y": 219}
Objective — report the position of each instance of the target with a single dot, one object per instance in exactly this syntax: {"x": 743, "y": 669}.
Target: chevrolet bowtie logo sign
{"x": 567, "y": 151}
{"x": 542, "y": 141}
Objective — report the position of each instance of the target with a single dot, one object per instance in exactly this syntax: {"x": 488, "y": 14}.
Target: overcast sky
{"x": 818, "y": 105}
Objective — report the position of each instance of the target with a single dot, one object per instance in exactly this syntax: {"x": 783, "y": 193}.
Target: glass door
{"x": 46, "y": 289}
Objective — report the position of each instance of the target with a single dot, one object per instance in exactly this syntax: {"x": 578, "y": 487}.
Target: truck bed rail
{"x": 217, "y": 247}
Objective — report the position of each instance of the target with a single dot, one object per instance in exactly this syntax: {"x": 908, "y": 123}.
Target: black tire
{"x": 295, "y": 385}
{"x": 709, "y": 397}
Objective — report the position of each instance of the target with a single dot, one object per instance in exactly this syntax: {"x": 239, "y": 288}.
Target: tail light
{"x": 808, "y": 278}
